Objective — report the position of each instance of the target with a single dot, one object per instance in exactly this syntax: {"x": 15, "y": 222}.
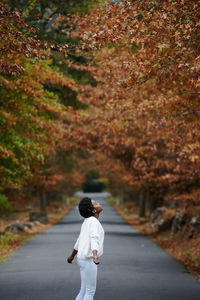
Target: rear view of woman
{"x": 88, "y": 247}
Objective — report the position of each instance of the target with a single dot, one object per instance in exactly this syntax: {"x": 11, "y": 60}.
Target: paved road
{"x": 132, "y": 268}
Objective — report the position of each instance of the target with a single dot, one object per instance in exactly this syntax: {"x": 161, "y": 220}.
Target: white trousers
{"x": 88, "y": 270}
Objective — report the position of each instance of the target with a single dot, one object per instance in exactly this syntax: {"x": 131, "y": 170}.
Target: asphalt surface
{"x": 132, "y": 267}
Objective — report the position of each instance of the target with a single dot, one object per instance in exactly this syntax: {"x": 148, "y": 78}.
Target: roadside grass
{"x": 187, "y": 251}
{"x": 10, "y": 241}
{"x": 4, "y": 240}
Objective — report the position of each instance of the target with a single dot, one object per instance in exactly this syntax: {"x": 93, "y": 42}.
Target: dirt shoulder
{"x": 10, "y": 241}
{"x": 186, "y": 250}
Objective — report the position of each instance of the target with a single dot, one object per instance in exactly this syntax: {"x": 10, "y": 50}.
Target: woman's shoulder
{"x": 92, "y": 219}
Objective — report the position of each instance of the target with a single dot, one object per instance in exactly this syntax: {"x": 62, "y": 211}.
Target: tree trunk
{"x": 122, "y": 198}
{"x": 63, "y": 197}
{"x": 43, "y": 202}
{"x": 152, "y": 204}
{"x": 150, "y": 201}
{"x": 142, "y": 202}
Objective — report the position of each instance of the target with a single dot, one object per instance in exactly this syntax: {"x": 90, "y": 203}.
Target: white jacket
{"x": 91, "y": 238}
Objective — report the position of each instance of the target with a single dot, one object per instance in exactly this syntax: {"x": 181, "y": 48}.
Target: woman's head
{"x": 86, "y": 207}
{"x": 89, "y": 207}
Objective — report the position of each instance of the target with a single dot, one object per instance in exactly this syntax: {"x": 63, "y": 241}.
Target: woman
{"x": 89, "y": 247}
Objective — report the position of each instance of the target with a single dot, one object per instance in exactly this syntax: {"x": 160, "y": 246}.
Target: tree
{"x": 145, "y": 108}
{"x": 35, "y": 94}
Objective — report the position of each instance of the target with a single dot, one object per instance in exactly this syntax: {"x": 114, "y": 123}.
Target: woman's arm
{"x": 74, "y": 252}
{"x": 95, "y": 258}
{"x": 71, "y": 257}
{"x": 94, "y": 236}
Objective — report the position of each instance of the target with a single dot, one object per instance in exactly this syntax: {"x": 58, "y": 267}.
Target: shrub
{"x": 4, "y": 240}
{"x": 4, "y": 204}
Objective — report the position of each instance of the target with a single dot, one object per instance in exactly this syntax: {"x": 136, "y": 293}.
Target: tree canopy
{"x": 145, "y": 107}
{"x": 116, "y": 86}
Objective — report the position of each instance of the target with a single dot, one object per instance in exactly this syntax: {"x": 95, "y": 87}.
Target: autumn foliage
{"x": 141, "y": 127}
{"x": 145, "y": 109}
{"x": 31, "y": 117}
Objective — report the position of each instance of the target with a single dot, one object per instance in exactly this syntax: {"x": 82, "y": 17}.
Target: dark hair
{"x": 86, "y": 208}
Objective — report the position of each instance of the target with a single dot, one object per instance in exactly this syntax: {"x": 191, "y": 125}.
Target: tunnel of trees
{"x": 108, "y": 86}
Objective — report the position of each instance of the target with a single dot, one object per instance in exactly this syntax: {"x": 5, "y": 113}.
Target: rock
{"x": 37, "y": 222}
{"x": 178, "y": 221}
{"x": 28, "y": 224}
{"x": 15, "y": 227}
{"x": 27, "y": 229}
{"x": 20, "y": 227}
{"x": 165, "y": 224}
{"x": 156, "y": 214}
{"x": 194, "y": 226}
{"x": 195, "y": 221}
{"x": 162, "y": 217}
{"x": 43, "y": 220}
{"x": 36, "y": 216}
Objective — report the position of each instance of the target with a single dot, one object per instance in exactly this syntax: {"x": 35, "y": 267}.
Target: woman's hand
{"x": 95, "y": 257}
{"x": 95, "y": 260}
{"x": 70, "y": 259}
